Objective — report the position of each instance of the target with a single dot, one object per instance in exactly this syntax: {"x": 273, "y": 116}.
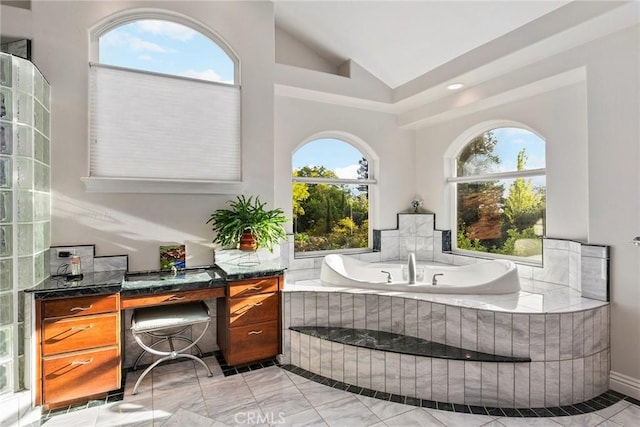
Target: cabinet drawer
{"x": 80, "y": 333}
{"x": 137, "y": 301}
{"x": 253, "y": 342}
{"x": 81, "y": 374}
{"x": 243, "y": 288}
{"x": 253, "y": 309}
{"x": 80, "y": 306}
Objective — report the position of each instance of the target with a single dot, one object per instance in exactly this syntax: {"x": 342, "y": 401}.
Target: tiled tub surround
{"x": 569, "y": 350}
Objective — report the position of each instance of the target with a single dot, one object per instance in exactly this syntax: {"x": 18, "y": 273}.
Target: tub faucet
{"x": 434, "y": 279}
{"x": 412, "y": 268}
{"x": 388, "y": 275}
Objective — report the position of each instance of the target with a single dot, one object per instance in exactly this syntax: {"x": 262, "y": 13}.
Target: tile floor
{"x": 181, "y": 395}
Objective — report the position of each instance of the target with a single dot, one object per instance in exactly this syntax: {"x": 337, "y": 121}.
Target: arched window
{"x": 500, "y": 193}
{"x": 164, "y": 101}
{"x": 331, "y": 196}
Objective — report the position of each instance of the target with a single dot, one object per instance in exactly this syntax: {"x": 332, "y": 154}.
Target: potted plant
{"x": 248, "y": 225}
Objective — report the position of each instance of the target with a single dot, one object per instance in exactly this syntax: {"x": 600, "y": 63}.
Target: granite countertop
{"x": 152, "y": 282}
{"x": 240, "y": 269}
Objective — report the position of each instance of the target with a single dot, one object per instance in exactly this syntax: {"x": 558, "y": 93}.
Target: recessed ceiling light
{"x": 455, "y": 86}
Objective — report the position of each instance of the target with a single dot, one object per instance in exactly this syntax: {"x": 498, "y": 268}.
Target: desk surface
{"x": 130, "y": 284}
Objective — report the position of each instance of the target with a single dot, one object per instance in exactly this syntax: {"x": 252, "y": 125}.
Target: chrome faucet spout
{"x": 434, "y": 279}
{"x": 412, "y": 268}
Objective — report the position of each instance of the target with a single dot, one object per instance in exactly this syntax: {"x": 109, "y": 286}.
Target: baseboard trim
{"x": 624, "y": 384}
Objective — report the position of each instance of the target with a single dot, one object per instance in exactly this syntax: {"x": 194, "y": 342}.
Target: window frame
{"x": 154, "y": 185}
{"x": 371, "y": 183}
{"x": 452, "y": 179}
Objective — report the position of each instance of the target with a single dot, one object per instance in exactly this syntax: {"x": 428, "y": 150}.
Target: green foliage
{"x": 248, "y": 214}
{"x": 481, "y": 207}
{"x": 524, "y": 206}
{"x": 477, "y": 156}
{"x": 328, "y": 216}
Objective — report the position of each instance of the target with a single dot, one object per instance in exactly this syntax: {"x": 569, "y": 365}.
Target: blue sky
{"x": 165, "y": 47}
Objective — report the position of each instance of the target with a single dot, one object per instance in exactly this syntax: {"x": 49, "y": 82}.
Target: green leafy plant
{"x": 248, "y": 214}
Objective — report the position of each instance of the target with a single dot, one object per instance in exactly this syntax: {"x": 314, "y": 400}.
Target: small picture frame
{"x": 172, "y": 256}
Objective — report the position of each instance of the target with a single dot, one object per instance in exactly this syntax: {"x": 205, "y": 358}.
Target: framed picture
{"x": 172, "y": 256}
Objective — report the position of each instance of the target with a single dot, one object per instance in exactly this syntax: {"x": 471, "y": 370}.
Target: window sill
{"x": 159, "y": 186}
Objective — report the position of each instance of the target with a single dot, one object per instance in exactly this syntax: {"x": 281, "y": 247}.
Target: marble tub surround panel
{"x": 565, "y": 348}
{"x": 594, "y": 267}
{"x": 416, "y": 235}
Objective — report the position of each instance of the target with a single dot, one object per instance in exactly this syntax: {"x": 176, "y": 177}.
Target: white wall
{"x": 136, "y": 224}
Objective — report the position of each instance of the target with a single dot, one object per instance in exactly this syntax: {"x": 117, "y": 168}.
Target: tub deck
{"x": 534, "y": 296}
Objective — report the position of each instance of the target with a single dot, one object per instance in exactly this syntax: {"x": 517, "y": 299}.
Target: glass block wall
{"x": 25, "y": 207}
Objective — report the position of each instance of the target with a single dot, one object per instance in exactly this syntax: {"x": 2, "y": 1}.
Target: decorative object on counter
{"x": 248, "y": 226}
{"x": 415, "y": 204}
{"x": 172, "y": 256}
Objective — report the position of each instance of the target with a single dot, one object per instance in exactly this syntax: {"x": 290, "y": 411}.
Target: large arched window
{"x": 499, "y": 192}
{"x": 164, "y": 101}
{"x": 331, "y": 196}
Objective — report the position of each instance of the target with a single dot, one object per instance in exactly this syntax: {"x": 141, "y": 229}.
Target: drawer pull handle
{"x": 81, "y": 308}
{"x": 81, "y": 362}
{"x": 255, "y": 288}
{"x": 176, "y": 298}
{"x": 256, "y": 304}
{"x": 255, "y": 332}
{"x": 81, "y": 328}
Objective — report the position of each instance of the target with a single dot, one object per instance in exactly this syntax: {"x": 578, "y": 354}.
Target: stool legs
{"x": 173, "y": 354}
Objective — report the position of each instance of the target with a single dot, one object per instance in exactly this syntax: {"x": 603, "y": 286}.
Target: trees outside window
{"x": 330, "y": 197}
{"x": 501, "y": 194}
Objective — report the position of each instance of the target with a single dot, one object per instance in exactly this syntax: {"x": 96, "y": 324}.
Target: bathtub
{"x": 485, "y": 277}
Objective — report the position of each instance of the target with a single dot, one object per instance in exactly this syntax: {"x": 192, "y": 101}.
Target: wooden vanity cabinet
{"x": 78, "y": 348}
{"x": 248, "y": 320}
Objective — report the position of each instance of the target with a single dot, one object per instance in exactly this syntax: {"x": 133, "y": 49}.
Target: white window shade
{"x": 151, "y": 126}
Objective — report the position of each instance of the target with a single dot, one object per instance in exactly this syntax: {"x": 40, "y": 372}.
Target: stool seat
{"x": 151, "y": 319}
{"x": 167, "y": 322}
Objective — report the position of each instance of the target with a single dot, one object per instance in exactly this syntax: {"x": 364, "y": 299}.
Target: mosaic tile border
{"x": 602, "y": 401}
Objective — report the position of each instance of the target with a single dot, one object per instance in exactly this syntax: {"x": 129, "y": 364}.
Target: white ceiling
{"x": 398, "y": 41}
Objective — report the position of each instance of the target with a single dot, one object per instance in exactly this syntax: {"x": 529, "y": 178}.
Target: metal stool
{"x": 161, "y": 322}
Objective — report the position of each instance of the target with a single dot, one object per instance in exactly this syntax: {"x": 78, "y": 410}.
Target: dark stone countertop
{"x": 240, "y": 270}
{"x": 151, "y": 282}
{"x": 403, "y": 344}
{"x": 103, "y": 282}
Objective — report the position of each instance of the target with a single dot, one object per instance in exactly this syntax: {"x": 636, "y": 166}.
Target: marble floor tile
{"x": 526, "y": 422}
{"x": 283, "y": 402}
{"x": 383, "y": 409}
{"x": 308, "y": 418}
{"x": 416, "y": 417}
{"x": 613, "y": 409}
{"x": 247, "y": 414}
{"x": 630, "y": 416}
{"x": 584, "y": 420}
{"x": 126, "y": 413}
{"x": 318, "y": 394}
{"x": 184, "y": 418}
{"x": 347, "y": 412}
{"x": 87, "y": 417}
{"x": 267, "y": 379}
{"x": 449, "y": 418}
